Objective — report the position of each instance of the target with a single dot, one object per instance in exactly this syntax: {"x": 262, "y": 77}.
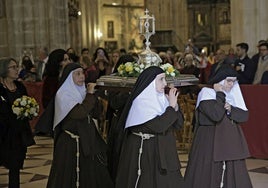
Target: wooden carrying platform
{"x": 126, "y": 83}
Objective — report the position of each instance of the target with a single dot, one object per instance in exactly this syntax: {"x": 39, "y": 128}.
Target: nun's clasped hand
{"x": 227, "y": 107}
{"x": 218, "y": 87}
{"x": 91, "y": 88}
{"x": 173, "y": 97}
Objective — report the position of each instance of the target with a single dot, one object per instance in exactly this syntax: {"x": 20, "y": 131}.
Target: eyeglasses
{"x": 263, "y": 49}
{"x": 14, "y": 67}
{"x": 231, "y": 80}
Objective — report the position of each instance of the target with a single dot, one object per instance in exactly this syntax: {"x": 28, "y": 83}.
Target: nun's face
{"x": 229, "y": 83}
{"x": 79, "y": 77}
{"x": 160, "y": 83}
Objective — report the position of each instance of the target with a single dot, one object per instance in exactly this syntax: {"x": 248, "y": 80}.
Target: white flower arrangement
{"x": 170, "y": 70}
{"x": 25, "y": 107}
{"x": 132, "y": 69}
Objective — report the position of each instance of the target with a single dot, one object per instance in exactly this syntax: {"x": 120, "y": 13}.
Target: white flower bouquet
{"x": 25, "y": 107}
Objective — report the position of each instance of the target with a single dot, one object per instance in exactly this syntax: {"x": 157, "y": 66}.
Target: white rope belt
{"x": 143, "y": 137}
{"x": 222, "y": 175}
{"x": 76, "y": 137}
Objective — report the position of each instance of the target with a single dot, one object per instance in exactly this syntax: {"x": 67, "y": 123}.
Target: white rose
{"x": 26, "y": 114}
{"x": 16, "y": 110}
{"x": 128, "y": 64}
{"x": 137, "y": 69}
{"x": 23, "y": 103}
{"x": 32, "y": 110}
{"x": 172, "y": 74}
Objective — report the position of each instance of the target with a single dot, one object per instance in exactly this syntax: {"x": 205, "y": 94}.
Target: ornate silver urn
{"x": 147, "y": 29}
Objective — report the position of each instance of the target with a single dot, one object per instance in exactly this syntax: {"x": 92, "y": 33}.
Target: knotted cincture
{"x": 76, "y": 137}
{"x": 143, "y": 137}
{"x": 222, "y": 175}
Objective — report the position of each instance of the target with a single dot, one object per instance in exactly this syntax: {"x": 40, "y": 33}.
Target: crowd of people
{"x": 191, "y": 60}
{"x": 141, "y": 147}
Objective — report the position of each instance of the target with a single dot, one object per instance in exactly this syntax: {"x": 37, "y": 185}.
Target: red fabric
{"x": 256, "y": 128}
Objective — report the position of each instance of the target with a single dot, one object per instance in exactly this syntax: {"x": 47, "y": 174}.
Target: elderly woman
{"x": 219, "y": 149}
{"x": 190, "y": 66}
{"x": 79, "y": 158}
{"x": 15, "y": 134}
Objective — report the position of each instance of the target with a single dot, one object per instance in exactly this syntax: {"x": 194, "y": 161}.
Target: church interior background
{"x": 28, "y": 25}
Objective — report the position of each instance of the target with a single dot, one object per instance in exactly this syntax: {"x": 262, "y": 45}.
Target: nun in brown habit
{"x": 149, "y": 157}
{"x": 79, "y": 157}
{"x": 219, "y": 149}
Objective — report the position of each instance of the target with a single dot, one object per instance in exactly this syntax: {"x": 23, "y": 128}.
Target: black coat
{"x": 246, "y": 76}
{"x": 264, "y": 78}
{"x": 16, "y": 134}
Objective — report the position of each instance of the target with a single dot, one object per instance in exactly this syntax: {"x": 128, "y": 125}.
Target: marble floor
{"x": 38, "y": 161}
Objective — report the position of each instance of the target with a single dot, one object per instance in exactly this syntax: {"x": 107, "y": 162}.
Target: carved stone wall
{"x": 28, "y": 25}
{"x": 210, "y": 24}
{"x": 3, "y": 30}
{"x": 171, "y": 23}
{"x": 249, "y": 22}
{"x": 119, "y": 24}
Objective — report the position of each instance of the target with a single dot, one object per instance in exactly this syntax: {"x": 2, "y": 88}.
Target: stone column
{"x": 58, "y": 29}
{"x": 180, "y": 23}
{"x": 3, "y": 30}
{"x": 249, "y": 22}
{"x": 89, "y": 22}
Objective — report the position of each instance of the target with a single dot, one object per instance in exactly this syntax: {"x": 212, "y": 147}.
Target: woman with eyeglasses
{"x": 15, "y": 134}
{"x": 219, "y": 149}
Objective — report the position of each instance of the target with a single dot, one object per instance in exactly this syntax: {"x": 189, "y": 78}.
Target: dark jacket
{"x": 246, "y": 76}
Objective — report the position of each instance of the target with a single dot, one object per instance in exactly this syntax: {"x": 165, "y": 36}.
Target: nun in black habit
{"x": 149, "y": 156}
{"x": 79, "y": 158}
{"x": 116, "y": 103}
{"x": 219, "y": 149}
